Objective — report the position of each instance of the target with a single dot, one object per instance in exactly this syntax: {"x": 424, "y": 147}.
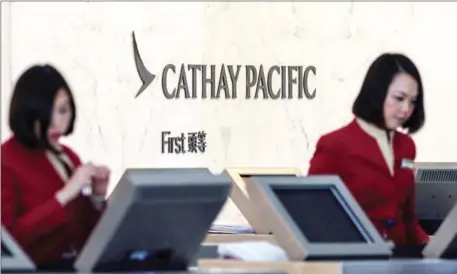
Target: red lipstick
{"x": 55, "y": 136}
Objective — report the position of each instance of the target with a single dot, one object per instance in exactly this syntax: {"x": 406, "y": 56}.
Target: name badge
{"x": 407, "y": 164}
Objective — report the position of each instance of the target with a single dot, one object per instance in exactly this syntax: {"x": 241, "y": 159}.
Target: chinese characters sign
{"x": 182, "y": 143}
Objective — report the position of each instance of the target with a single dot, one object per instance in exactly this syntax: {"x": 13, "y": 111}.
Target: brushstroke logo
{"x": 145, "y": 76}
{"x": 226, "y": 81}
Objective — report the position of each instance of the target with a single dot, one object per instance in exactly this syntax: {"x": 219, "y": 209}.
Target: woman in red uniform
{"x": 374, "y": 160}
{"x": 42, "y": 180}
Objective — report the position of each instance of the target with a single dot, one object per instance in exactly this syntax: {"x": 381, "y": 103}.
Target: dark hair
{"x": 33, "y": 100}
{"x": 369, "y": 104}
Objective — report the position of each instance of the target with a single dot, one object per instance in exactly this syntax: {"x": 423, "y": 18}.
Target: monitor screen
{"x": 316, "y": 218}
{"x": 316, "y": 212}
{"x": 155, "y": 220}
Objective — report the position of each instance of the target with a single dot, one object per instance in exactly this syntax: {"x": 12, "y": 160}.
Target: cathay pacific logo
{"x": 145, "y": 76}
{"x": 220, "y": 82}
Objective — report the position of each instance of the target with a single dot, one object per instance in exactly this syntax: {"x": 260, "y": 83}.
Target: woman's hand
{"x": 100, "y": 180}
{"x": 82, "y": 177}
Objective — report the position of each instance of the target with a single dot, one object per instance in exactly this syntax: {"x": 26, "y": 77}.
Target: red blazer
{"x": 355, "y": 156}
{"x": 39, "y": 223}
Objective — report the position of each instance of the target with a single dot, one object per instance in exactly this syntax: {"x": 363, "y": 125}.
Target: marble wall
{"x": 91, "y": 44}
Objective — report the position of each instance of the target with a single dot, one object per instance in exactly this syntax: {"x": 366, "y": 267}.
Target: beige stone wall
{"x": 91, "y": 44}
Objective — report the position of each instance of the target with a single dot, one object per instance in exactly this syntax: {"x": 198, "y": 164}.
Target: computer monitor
{"x": 14, "y": 259}
{"x": 240, "y": 196}
{"x": 436, "y": 193}
{"x": 156, "y": 219}
{"x": 444, "y": 243}
{"x": 316, "y": 218}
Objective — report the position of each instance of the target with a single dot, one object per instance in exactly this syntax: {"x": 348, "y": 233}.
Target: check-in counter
{"x": 230, "y": 238}
{"x": 158, "y": 192}
{"x": 287, "y": 267}
{"x": 425, "y": 266}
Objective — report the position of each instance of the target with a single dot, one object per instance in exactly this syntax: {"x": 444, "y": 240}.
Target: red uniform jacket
{"x": 39, "y": 223}
{"x": 356, "y": 157}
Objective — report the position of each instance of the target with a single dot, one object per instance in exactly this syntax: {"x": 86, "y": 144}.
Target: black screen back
{"x": 319, "y": 215}
{"x": 5, "y": 251}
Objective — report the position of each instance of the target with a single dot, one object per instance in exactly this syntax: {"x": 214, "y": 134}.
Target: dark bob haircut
{"x": 369, "y": 104}
{"x": 33, "y": 101}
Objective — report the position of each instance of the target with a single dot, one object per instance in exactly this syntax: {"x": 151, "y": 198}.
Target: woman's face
{"x": 61, "y": 116}
{"x": 400, "y": 100}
